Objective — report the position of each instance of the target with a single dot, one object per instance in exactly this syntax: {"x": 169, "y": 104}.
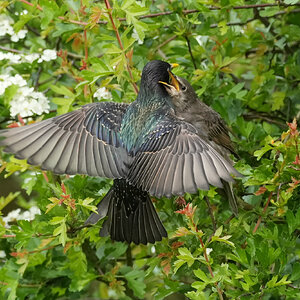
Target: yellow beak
{"x": 174, "y": 81}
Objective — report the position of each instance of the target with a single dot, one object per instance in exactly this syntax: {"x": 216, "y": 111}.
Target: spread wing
{"x": 175, "y": 160}
{"x": 84, "y": 141}
{"x": 218, "y": 132}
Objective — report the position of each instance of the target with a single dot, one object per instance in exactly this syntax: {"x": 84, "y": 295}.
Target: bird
{"x": 143, "y": 146}
{"x": 209, "y": 124}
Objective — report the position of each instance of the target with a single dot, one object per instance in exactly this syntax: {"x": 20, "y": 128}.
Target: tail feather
{"x": 102, "y": 209}
{"x": 228, "y": 187}
{"x": 131, "y": 216}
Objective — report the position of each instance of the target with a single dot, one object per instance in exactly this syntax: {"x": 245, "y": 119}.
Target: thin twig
{"x": 24, "y": 285}
{"x": 192, "y": 11}
{"x": 207, "y": 260}
{"x": 109, "y": 9}
{"x": 211, "y": 213}
{"x": 11, "y": 50}
{"x": 190, "y": 51}
{"x": 30, "y": 4}
{"x": 264, "y": 211}
{"x": 39, "y": 72}
{"x": 165, "y": 42}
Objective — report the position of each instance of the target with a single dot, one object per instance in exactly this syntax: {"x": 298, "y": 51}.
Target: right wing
{"x": 175, "y": 160}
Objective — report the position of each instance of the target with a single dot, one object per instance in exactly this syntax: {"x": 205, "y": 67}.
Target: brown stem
{"x": 30, "y": 4}
{"x": 23, "y": 285}
{"x": 264, "y": 211}
{"x": 207, "y": 261}
{"x": 109, "y": 9}
{"x": 73, "y": 21}
{"x": 166, "y": 42}
{"x": 211, "y": 213}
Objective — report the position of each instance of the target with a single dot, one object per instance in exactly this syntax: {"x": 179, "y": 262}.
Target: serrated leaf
{"x": 178, "y": 264}
{"x": 219, "y": 231}
{"x": 62, "y": 90}
{"x": 201, "y": 275}
{"x": 259, "y": 153}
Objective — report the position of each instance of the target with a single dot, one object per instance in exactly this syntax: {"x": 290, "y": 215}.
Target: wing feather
{"x": 175, "y": 160}
{"x": 85, "y": 141}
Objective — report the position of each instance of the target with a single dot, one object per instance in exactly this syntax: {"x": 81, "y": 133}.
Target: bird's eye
{"x": 183, "y": 88}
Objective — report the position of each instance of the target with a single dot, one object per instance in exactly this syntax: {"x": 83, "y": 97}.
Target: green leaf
{"x": 178, "y": 264}
{"x": 219, "y": 231}
{"x": 135, "y": 280}
{"x": 201, "y": 275}
{"x": 86, "y": 204}
{"x": 62, "y": 90}
{"x": 296, "y": 272}
{"x": 262, "y": 151}
{"x": 277, "y": 100}
{"x": 4, "y": 201}
{"x": 61, "y": 230}
{"x": 186, "y": 255}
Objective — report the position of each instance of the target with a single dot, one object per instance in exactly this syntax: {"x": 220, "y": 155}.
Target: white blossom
{"x": 2, "y": 254}
{"x": 48, "y": 55}
{"x": 6, "y": 28}
{"x": 7, "y": 80}
{"x": 102, "y": 93}
{"x": 202, "y": 39}
{"x": 5, "y": 25}
{"x": 26, "y": 102}
{"x": 13, "y": 58}
{"x": 19, "y": 35}
{"x": 208, "y": 251}
{"x": 136, "y": 37}
{"x": 31, "y": 57}
{"x": 16, "y": 215}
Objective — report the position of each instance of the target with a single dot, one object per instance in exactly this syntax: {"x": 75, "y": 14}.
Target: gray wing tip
{"x": 236, "y": 173}
{"x": 92, "y": 219}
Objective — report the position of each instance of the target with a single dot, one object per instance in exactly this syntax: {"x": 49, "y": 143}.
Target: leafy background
{"x": 242, "y": 58}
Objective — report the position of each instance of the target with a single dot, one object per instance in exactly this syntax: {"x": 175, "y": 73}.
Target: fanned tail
{"x": 131, "y": 216}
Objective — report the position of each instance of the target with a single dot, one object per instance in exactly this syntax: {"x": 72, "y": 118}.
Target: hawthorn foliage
{"x": 242, "y": 58}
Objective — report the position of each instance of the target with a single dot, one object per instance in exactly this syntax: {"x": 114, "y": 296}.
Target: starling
{"x": 208, "y": 123}
{"x": 143, "y": 146}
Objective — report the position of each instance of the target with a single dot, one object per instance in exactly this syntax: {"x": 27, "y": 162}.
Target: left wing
{"x": 84, "y": 141}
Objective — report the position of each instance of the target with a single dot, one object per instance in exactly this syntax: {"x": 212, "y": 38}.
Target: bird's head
{"x": 154, "y": 72}
{"x": 180, "y": 91}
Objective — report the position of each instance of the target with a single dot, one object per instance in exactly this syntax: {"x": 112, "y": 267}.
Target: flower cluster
{"x": 47, "y": 55}
{"x": 6, "y": 28}
{"x": 102, "y": 93}
{"x": 16, "y": 215}
{"x": 25, "y": 101}
{"x": 7, "y": 80}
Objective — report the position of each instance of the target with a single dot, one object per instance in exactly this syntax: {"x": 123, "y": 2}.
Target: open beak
{"x": 174, "y": 82}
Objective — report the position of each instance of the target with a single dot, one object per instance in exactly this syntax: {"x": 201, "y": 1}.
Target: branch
{"x": 264, "y": 211}
{"x": 165, "y": 42}
{"x": 190, "y": 51}
{"x": 30, "y": 4}
{"x": 109, "y": 9}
